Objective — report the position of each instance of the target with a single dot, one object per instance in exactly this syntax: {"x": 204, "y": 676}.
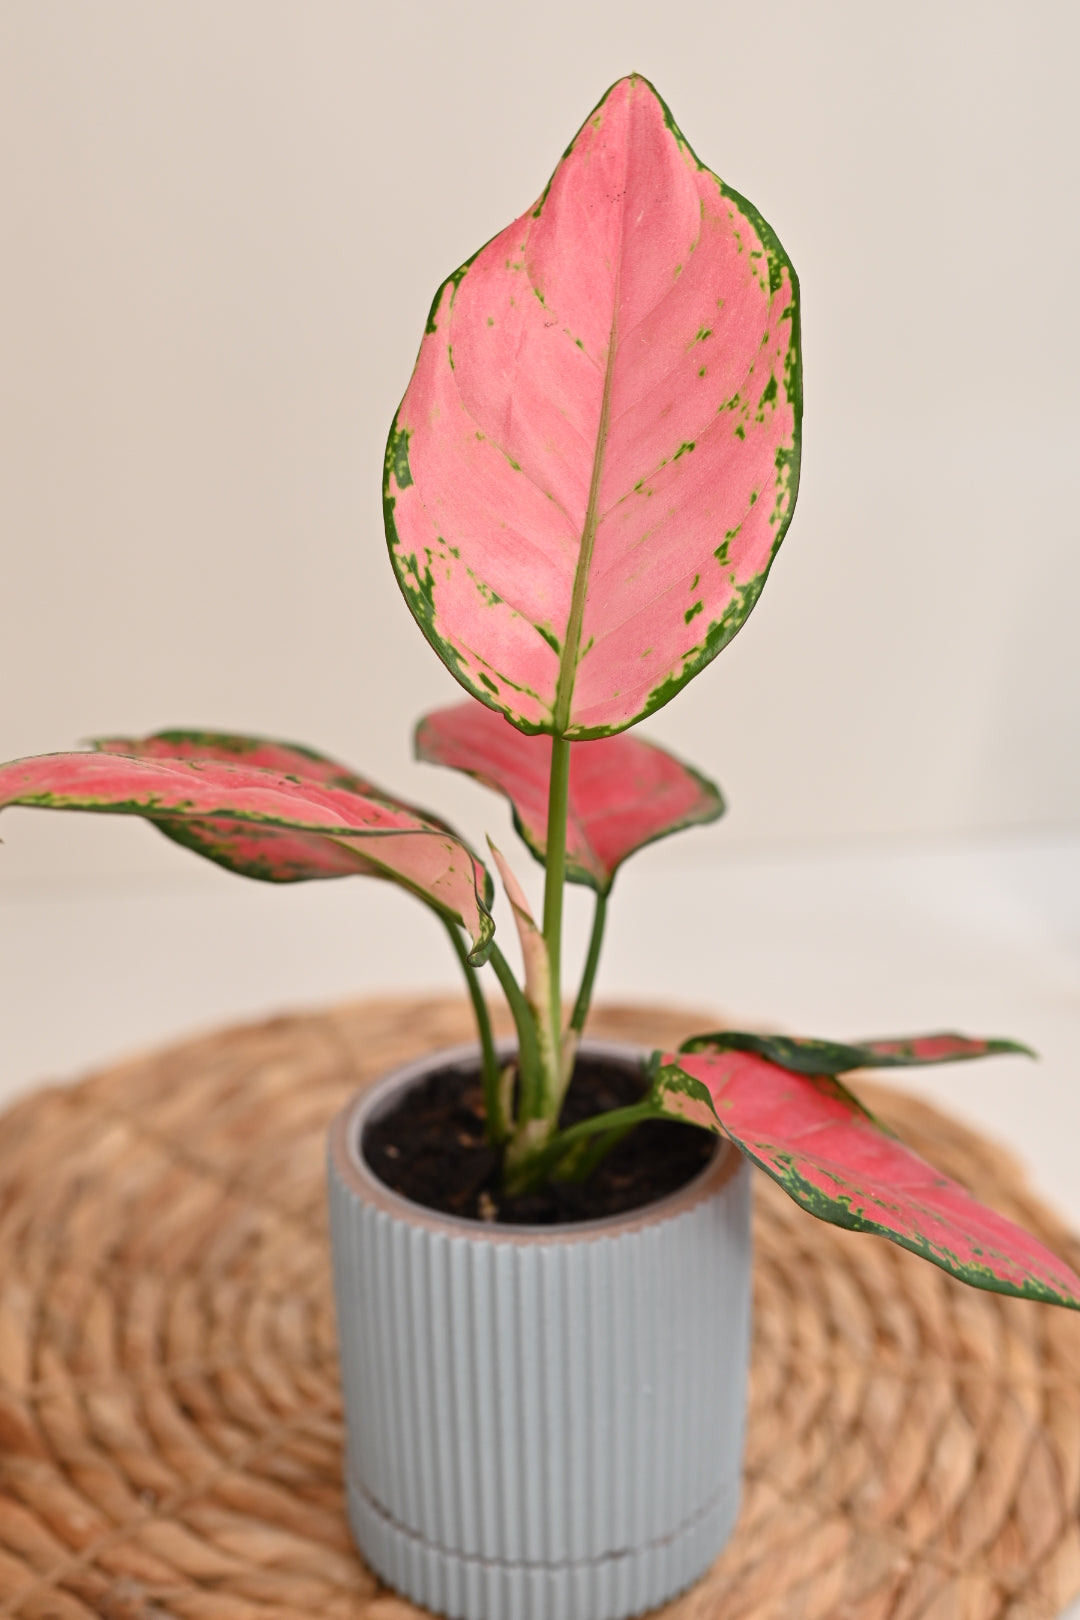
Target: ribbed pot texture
{"x": 544, "y": 1423}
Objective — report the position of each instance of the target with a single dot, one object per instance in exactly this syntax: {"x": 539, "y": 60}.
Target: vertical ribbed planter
{"x": 544, "y": 1423}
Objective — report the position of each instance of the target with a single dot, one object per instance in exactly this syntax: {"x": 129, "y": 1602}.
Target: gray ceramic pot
{"x": 544, "y": 1423}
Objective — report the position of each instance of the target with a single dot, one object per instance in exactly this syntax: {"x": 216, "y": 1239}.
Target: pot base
{"x": 608, "y": 1588}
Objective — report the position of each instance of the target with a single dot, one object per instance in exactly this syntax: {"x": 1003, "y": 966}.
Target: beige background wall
{"x": 221, "y": 222}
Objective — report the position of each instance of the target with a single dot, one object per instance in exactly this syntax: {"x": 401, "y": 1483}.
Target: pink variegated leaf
{"x": 804, "y": 1055}
{"x": 597, "y": 456}
{"x": 624, "y": 793}
{"x": 256, "y": 753}
{"x": 270, "y": 853}
{"x": 265, "y": 824}
{"x": 814, "y": 1138}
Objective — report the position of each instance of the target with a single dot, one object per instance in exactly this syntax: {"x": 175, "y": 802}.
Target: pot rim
{"x": 346, "y": 1132}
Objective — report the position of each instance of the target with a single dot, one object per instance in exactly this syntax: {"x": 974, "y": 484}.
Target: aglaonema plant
{"x": 585, "y": 486}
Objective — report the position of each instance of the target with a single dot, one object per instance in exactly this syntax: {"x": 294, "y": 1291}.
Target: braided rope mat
{"x": 170, "y": 1421}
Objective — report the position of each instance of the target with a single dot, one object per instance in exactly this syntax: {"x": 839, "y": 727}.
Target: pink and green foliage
{"x": 806, "y": 1056}
{"x": 271, "y": 854}
{"x": 265, "y": 824}
{"x": 812, "y": 1136}
{"x": 586, "y": 483}
{"x": 257, "y": 753}
{"x": 623, "y": 792}
{"x": 597, "y": 456}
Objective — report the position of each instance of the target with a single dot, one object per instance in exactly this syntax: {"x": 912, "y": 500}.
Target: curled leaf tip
{"x": 482, "y": 949}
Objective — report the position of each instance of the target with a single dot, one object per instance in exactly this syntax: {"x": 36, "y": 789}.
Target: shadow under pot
{"x": 544, "y": 1422}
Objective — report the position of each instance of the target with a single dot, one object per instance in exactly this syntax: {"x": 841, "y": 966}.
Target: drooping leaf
{"x": 265, "y": 824}
{"x": 257, "y": 753}
{"x": 813, "y": 1137}
{"x": 597, "y": 456}
{"x": 804, "y": 1055}
{"x": 271, "y": 854}
{"x": 624, "y": 793}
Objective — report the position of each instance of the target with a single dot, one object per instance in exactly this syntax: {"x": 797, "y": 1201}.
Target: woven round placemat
{"x": 170, "y": 1418}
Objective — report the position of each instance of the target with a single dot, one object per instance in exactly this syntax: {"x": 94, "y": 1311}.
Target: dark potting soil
{"x": 431, "y": 1148}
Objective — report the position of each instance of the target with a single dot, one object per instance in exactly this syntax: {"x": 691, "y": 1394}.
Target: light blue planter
{"x": 544, "y": 1423}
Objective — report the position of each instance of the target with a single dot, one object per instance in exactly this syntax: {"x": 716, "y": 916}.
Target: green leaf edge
{"x": 808, "y": 1055}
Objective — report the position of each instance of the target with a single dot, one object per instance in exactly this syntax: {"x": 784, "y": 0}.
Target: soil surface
{"x": 431, "y": 1148}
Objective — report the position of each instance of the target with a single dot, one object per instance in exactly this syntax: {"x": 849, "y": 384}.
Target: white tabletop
{"x": 981, "y": 937}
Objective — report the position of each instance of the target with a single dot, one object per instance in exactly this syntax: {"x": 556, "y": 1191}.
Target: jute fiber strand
{"x": 170, "y": 1418}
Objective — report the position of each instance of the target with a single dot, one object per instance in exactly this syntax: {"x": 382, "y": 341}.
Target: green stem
{"x": 580, "y": 1165}
{"x": 555, "y": 864}
{"x": 530, "y": 1079}
{"x": 531, "y": 1171}
{"x": 596, "y": 939}
{"x": 495, "y": 1120}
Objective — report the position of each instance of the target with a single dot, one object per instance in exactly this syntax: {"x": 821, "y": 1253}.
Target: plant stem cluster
{"x": 522, "y": 1104}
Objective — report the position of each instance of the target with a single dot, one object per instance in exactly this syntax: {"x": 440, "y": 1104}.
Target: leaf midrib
{"x": 568, "y": 662}
{"x": 564, "y": 691}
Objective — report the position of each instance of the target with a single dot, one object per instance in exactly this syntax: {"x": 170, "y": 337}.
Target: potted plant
{"x": 542, "y": 1272}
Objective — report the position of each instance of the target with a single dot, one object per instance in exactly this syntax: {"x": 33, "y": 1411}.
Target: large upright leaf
{"x": 813, "y": 1137}
{"x": 265, "y": 824}
{"x": 597, "y": 455}
{"x": 624, "y": 793}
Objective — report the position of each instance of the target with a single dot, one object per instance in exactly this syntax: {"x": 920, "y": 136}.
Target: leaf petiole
{"x": 496, "y": 1124}
{"x": 529, "y": 1075}
{"x": 555, "y": 862}
{"x": 530, "y": 1171}
{"x": 592, "y": 959}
